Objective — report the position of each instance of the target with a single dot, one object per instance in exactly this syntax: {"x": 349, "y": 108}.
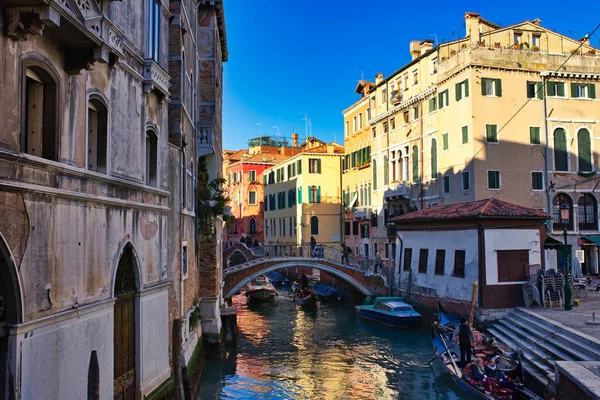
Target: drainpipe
{"x": 546, "y": 178}
{"x": 481, "y": 272}
{"x": 422, "y": 153}
{"x": 400, "y": 260}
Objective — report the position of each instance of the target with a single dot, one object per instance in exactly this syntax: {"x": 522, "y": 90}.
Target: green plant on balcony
{"x": 525, "y": 45}
{"x": 452, "y": 52}
{"x": 497, "y": 45}
{"x": 463, "y": 46}
{"x": 211, "y": 199}
{"x": 591, "y": 52}
{"x": 535, "y": 48}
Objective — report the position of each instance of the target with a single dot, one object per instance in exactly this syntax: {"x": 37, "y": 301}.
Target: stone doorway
{"x": 125, "y": 327}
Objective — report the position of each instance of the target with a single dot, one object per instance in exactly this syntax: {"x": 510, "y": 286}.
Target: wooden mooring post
{"x": 473, "y": 303}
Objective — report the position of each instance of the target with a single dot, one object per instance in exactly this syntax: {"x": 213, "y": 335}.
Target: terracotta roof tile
{"x": 486, "y": 208}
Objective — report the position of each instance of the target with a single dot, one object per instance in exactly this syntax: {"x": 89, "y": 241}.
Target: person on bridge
{"x": 345, "y": 255}
{"x": 313, "y": 244}
{"x": 377, "y": 262}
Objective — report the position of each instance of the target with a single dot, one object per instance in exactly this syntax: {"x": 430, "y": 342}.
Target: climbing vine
{"x": 211, "y": 199}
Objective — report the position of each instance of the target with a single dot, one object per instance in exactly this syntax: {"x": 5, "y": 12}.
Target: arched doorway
{"x": 10, "y": 313}
{"x": 124, "y": 326}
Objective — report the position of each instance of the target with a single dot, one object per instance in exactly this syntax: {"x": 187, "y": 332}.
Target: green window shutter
{"x": 266, "y": 203}
{"x": 592, "y": 90}
{"x": 318, "y": 194}
{"x": 466, "y": 88}
{"x": 457, "y": 88}
{"x": 465, "y": 134}
{"x": 432, "y": 105}
{"x": 359, "y": 157}
{"x": 309, "y": 195}
{"x": 299, "y": 166}
{"x": 498, "y": 84}
{"x": 343, "y": 163}
{"x": 318, "y": 166}
{"x": 560, "y": 150}
{"x": 483, "y": 84}
{"x": 445, "y": 141}
{"x": 491, "y": 133}
{"x": 300, "y": 195}
{"x": 374, "y": 174}
{"x": 584, "y": 150}
{"x": 415, "y": 163}
{"x": 560, "y": 89}
{"x": 440, "y": 103}
{"x": 574, "y": 89}
{"x": 534, "y": 135}
{"x": 344, "y": 198}
{"x": 368, "y": 153}
{"x": 434, "y": 170}
{"x": 550, "y": 89}
{"x": 539, "y": 90}
{"x": 282, "y": 199}
{"x": 264, "y": 180}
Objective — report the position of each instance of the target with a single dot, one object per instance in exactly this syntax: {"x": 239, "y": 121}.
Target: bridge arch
{"x": 293, "y": 264}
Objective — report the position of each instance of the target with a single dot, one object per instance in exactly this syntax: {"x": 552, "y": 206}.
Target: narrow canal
{"x": 285, "y": 352}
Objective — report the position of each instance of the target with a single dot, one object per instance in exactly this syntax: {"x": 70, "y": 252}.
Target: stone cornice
{"x": 570, "y": 75}
{"x": 415, "y": 99}
{"x": 355, "y": 105}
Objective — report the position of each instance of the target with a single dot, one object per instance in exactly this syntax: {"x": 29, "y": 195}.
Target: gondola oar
{"x": 458, "y": 371}
{"x": 440, "y": 353}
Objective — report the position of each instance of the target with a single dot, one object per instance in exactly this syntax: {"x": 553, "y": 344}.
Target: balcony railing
{"x": 362, "y": 212}
{"x": 397, "y": 189}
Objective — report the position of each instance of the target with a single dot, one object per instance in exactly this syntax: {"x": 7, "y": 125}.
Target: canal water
{"x": 285, "y": 352}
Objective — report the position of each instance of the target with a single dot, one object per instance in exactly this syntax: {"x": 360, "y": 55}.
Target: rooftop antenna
{"x": 306, "y": 123}
{"x": 362, "y": 74}
{"x": 436, "y": 39}
{"x": 259, "y": 129}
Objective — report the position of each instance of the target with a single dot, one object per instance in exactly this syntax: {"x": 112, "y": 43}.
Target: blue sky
{"x": 287, "y": 57}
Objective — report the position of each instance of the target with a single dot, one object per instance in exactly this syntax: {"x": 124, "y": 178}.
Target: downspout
{"x": 546, "y": 177}
{"x": 481, "y": 273}
{"x": 195, "y": 128}
{"x": 422, "y": 154}
{"x": 400, "y": 261}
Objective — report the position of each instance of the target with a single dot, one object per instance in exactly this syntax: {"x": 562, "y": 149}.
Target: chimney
{"x": 472, "y": 24}
{"x": 415, "y": 48}
{"x": 426, "y": 45}
{"x": 330, "y": 149}
{"x": 585, "y": 40}
{"x": 536, "y": 21}
{"x": 378, "y": 78}
{"x": 294, "y": 140}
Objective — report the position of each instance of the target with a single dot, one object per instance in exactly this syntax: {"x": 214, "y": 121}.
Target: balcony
{"x": 396, "y": 97}
{"x": 204, "y": 139}
{"x": 362, "y": 212}
{"x": 156, "y": 78}
{"x": 396, "y": 189}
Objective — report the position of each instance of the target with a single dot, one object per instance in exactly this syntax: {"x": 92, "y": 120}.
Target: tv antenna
{"x": 362, "y": 74}
{"x": 259, "y": 128}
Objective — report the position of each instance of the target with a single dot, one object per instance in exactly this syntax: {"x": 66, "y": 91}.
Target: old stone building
{"x": 102, "y": 102}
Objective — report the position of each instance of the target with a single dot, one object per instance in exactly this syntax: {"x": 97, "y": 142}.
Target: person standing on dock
{"x": 464, "y": 336}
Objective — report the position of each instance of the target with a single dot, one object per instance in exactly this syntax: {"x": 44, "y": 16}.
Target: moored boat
{"x": 260, "y": 290}
{"x": 448, "y": 352}
{"x": 326, "y": 293}
{"x": 389, "y": 311}
{"x": 277, "y": 279}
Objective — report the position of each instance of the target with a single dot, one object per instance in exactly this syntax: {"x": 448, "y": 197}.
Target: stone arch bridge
{"x": 245, "y": 264}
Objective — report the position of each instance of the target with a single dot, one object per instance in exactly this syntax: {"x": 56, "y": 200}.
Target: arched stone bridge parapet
{"x": 237, "y": 277}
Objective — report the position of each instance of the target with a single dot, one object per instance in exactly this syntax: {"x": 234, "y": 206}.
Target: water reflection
{"x": 289, "y": 353}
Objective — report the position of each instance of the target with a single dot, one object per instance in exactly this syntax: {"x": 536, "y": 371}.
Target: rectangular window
{"x": 154, "y": 18}
{"x": 583, "y": 90}
{"x": 432, "y": 104}
{"x": 347, "y": 128}
{"x": 415, "y": 77}
{"x": 407, "y": 259}
{"x": 385, "y": 127}
{"x": 415, "y": 113}
{"x": 459, "y": 263}
{"x": 393, "y": 123}
{"x": 466, "y": 181}
{"x": 517, "y": 37}
{"x": 355, "y": 228}
{"x": 443, "y": 99}
{"x": 184, "y": 260}
{"x": 491, "y": 133}
{"x": 535, "y": 90}
{"x": 405, "y": 116}
{"x": 440, "y": 260}
{"x": 535, "y": 40}
{"x": 537, "y": 181}
{"x": 368, "y": 114}
{"x": 299, "y": 165}
{"x": 374, "y": 132}
{"x": 493, "y": 179}
{"x": 462, "y": 90}
{"x": 423, "y": 256}
{"x": 347, "y": 228}
{"x": 534, "y": 135}
{"x": 491, "y": 87}
{"x": 446, "y": 184}
{"x": 384, "y": 98}
{"x": 360, "y": 121}
{"x": 354, "y": 124}
{"x": 445, "y": 141}
{"x": 314, "y": 166}
{"x": 252, "y": 175}
{"x": 465, "y": 134}
{"x": 512, "y": 265}
{"x": 556, "y": 89}
{"x": 252, "y": 198}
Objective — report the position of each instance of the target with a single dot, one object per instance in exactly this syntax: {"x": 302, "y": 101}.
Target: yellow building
{"x": 475, "y": 117}
{"x": 303, "y": 198}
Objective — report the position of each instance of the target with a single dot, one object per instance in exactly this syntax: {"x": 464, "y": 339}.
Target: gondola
{"x": 304, "y": 297}
{"x": 448, "y": 352}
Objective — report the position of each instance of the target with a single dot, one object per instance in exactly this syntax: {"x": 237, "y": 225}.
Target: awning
{"x": 552, "y": 244}
{"x": 594, "y": 239}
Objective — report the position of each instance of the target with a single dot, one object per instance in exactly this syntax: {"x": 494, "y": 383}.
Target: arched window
{"x": 400, "y": 166}
{"x": 40, "y": 116}
{"x": 151, "y": 159}
{"x": 362, "y": 197}
{"x": 584, "y": 150}
{"x": 97, "y": 136}
{"x": 252, "y": 197}
{"x": 315, "y": 194}
{"x": 587, "y": 216}
{"x": 560, "y": 150}
{"x": 415, "y": 164}
{"x": 386, "y": 171}
{"x": 314, "y": 225}
{"x": 434, "y": 168}
{"x": 374, "y": 164}
{"x": 559, "y": 200}
{"x": 252, "y": 225}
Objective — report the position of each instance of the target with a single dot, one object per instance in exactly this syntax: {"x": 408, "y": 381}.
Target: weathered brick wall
{"x": 208, "y": 271}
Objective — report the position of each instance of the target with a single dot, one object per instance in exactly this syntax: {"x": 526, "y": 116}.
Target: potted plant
{"x": 535, "y": 49}
{"x": 452, "y": 52}
{"x": 591, "y": 52}
{"x": 463, "y": 46}
{"x": 444, "y": 59}
{"x": 497, "y": 45}
{"x": 480, "y": 43}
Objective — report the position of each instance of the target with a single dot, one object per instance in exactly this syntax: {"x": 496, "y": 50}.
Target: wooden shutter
{"x": 550, "y": 90}
{"x": 560, "y": 89}
{"x": 591, "y": 90}
{"x": 465, "y": 134}
{"x": 574, "y": 89}
{"x": 584, "y": 150}
{"x": 318, "y": 166}
{"x": 539, "y": 90}
{"x": 560, "y": 150}
{"x": 432, "y": 104}
{"x": 300, "y": 195}
{"x": 434, "y": 171}
{"x": 344, "y": 198}
{"x": 534, "y": 135}
{"x": 299, "y": 166}
{"x": 374, "y": 175}
{"x": 415, "y": 165}
{"x": 498, "y": 84}
{"x": 440, "y": 101}
{"x": 318, "y": 194}
{"x": 466, "y": 88}
{"x": 457, "y": 88}
{"x": 445, "y": 141}
{"x": 483, "y": 84}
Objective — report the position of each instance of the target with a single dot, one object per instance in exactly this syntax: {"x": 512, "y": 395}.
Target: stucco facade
{"x": 477, "y": 117}
{"x": 306, "y": 201}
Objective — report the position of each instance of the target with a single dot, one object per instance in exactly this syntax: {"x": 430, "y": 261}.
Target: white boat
{"x": 260, "y": 290}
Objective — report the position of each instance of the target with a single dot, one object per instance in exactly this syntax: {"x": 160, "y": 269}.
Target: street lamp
{"x": 565, "y": 212}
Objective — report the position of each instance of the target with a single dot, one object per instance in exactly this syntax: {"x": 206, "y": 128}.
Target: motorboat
{"x": 261, "y": 290}
{"x": 390, "y": 312}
